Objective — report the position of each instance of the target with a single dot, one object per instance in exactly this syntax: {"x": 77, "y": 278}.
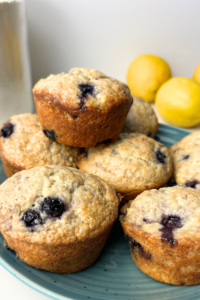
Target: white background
{"x": 106, "y": 35}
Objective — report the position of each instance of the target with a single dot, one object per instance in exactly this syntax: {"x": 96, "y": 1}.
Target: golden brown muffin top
{"x": 141, "y": 118}
{"x": 55, "y": 205}
{"x": 186, "y": 159}
{"x": 82, "y": 88}
{"x": 134, "y": 162}
{"x": 28, "y": 147}
{"x": 169, "y": 213}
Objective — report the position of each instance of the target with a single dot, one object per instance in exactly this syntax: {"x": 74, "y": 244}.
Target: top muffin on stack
{"x": 82, "y": 108}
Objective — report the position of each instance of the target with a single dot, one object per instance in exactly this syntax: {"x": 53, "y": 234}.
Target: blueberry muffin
{"x": 82, "y": 108}
{"x": 56, "y": 218}
{"x": 23, "y": 146}
{"x": 186, "y": 159}
{"x": 141, "y": 118}
{"x": 162, "y": 229}
{"x": 133, "y": 164}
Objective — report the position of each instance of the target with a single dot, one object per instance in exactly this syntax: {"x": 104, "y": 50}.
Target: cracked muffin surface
{"x": 83, "y": 87}
{"x": 141, "y": 118}
{"x": 89, "y": 205}
{"x": 83, "y": 107}
{"x": 186, "y": 159}
{"x": 132, "y": 164}
{"x": 23, "y": 145}
{"x": 162, "y": 229}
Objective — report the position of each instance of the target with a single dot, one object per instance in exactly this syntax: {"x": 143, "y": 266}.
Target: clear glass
{"x": 15, "y": 78}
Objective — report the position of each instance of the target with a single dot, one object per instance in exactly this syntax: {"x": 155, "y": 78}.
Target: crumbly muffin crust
{"x": 132, "y": 164}
{"x": 186, "y": 159}
{"x": 162, "y": 228}
{"x": 82, "y": 108}
{"x": 28, "y": 147}
{"x": 56, "y": 218}
{"x": 141, "y": 118}
{"x": 67, "y": 92}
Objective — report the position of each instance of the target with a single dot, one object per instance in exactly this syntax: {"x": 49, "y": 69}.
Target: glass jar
{"x": 15, "y": 78}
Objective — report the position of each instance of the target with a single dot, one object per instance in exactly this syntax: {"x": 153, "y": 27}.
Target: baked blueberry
{"x": 31, "y": 218}
{"x": 170, "y": 223}
{"x": 132, "y": 242}
{"x": 192, "y": 183}
{"x": 7, "y": 130}
{"x": 185, "y": 157}
{"x": 86, "y": 89}
{"x": 50, "y": 134}
{"x": 160, "y": 157}
{"x": 53, "y": 207}
{"x": 9, "y": 249}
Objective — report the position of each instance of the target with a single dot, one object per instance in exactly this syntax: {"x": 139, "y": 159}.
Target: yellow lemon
{"x": 178, "y": 102}
{"x": 146, "y": 74}
{"x": 196, "y": 74}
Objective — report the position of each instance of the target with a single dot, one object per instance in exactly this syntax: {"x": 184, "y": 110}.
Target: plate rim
{"x": 40, "y": 288}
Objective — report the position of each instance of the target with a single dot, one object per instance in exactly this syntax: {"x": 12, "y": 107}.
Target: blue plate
{"x": 113, "y": 276}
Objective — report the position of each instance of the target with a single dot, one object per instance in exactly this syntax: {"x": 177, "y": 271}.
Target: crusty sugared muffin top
{"x": 141, "y": 118}
{"x": 134, "y": 162}
{"x": 82, "y": 88}
{"x": 169, "y": 213}
{"x": 186, "y": 159}
{"x": 23, "y": 144}
{"x": 56, "y": 205}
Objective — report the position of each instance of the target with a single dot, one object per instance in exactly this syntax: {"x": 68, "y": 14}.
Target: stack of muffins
{"x": 89, "y": 141}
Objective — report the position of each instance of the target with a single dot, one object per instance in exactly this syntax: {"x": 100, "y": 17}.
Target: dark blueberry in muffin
{"x": 86, "y": 89}
{"x": 160, "y": 157}
{"x": 9, "y": 249}
{"x": 50, "y": 134}
{"x": 144, "y": 220}
{"x": 31, "y": 218}
{"x": 185, "y": 157}
{"x": 169, "y": 224}
{"x": 52, "y": 206}
{"x": 167, "y": 236}
{"x": 7, "y": 130}
{"x": 192, "y": 183}
{"x": 132, "y": 242}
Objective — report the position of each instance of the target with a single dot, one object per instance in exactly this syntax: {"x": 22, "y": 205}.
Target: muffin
{"x": 133, "y": 164}
{"x": 23, "y": 146}
{"x": 82, "y": 108}
{"x": 162, "y": 229}
{"x": 186, "y": 160}
{"x": 56, "y": 218}
{"x": 141, "y": 118}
